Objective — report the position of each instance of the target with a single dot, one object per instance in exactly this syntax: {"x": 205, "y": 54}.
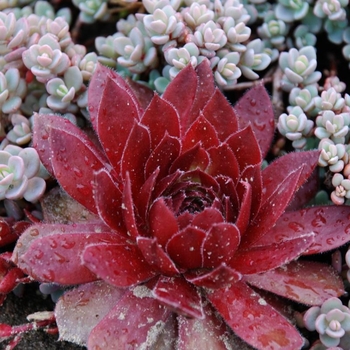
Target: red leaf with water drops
{"x": 306, "y": 282}
{"x": 271, "y": 210}
{"x": 268, "y": 257}
{"x": 95, "y": 298}
{"x": 75, "y": 174}
{"x": 220, "y": 277}
{"x": 185, "y": 248}
{"x": 253, "y": 319}
{"x": 121, "y": 265}
{"x": 255, "y": 108}
{"x": 161, "y": 118}
{"x": 220, "y": 244}
{"x": 58, "y": 257}
{"x": 181, "y": 93}
{"x": 179, "y": 295}
{"x": 163, "y": 224}
{"x": 329, "y": 223}
{"x": 143, "y": 94}
{"x": 277, "y": 171}
{"x": 195, "y": 133}
{"x": 219, "y": 112}
{"x": 135, "y": 322}
{"x": 208, "y": 333}
{"x": 108, "y": 200}
{"x": 156, "y": 256}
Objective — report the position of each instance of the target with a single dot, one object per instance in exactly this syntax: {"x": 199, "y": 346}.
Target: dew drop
{"x": 49, "y": 275}
{"x": 253, "y": 102}
{"x": 45, "y": 136}
{"x": 38, "y": 254}
{"x": 295, "y": 226}
{"x": 67, "y": 244}
{"x": 78, "y": 172}
{"x": 60, "y": 258}
{"x": 319, "y": 221}
{"x": 34, "y": 232}
{"x": 83, "y": 190}
{"x": 53, "y": 244}
{"x": 347, "y": 229}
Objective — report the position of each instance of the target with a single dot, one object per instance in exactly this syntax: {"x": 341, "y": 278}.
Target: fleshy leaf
{"x": 156, "y": 257}
{"x": 179, "y": 295}
{"x": 329, "y": 223}
{"x": 264, "y": 258}
{"x": 244, "y": 310}
{"x": 117, "y": 114}
{"x": 135, "y": 155}
{"x": 220, "y": 244}
{"x": 255, "y": 107}
{"x": 208, "y": 333}
{"x": 75, "y": 174}
{"x": 244, "y": 192}
{"x": 136, "y": 321}
{"x": 163, "y": 224}
{"x": 219, "y": 112}
{"x": 57, "y": 257}
{"x": 281, "y": 167}
{"x": 186, "y": 247}
{"x": 180, "y": 93}
{"x": 271, "y": 210}
{"x": 196, "y": 132}
{"x": 108, "y": 200}
{"x": 160, "y": 118}
{"x": 220, "y": 277}
{"x": 142, "y": 93}
{"x": 305, "y": 282}
{"x": 121, "y": 265}
{"x": 96, "y": 298}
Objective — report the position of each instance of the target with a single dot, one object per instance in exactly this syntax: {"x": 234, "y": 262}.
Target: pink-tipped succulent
{"x": 187, "y": 226}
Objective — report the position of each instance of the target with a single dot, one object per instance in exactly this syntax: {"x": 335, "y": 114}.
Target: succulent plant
{"x": 291, "y": 10}
{"x": 342, "y": 189}
{"x": 19, "y": 174}
{"x": 21, "y": 133}
{"x": 299, "y": 67}
{"x": 182, "y": 226}
{"x": 305, "y": 99}
{"x": 331, "y": 320}
{"x": 334, "y": 10}
{"x": 92, "y": 10}
{"x": 295, "y": 126}
{"x": 331, "y": 155}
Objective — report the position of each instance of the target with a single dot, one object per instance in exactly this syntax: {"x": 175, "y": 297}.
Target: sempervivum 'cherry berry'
{"x": 187, "y": 224}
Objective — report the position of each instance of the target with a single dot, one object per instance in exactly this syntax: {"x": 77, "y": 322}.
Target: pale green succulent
{"x": 227, "y": 71}
{"x": 291, "y": 10}
{"x": 305, "y": 99}
{"x": 197, "y": 14}
{"x": 330, "y": 99}
{"x": 334, "y": 10}
{"x": 331, "y": 155}
{"x": 21, "y": 132}
{"x": 92, "y": 10}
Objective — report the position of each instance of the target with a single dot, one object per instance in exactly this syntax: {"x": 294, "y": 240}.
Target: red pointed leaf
{"x": 207, "y": 218}
{"x": 186, "y": 247}
{"x": 42, "y": 230}
{"x": 220, "y": 277}
{"x": 265, "y": 258}
{"x": 117, "y": 114}
{"x": 271, "y": 210}
{"x": 134, "y": 322}
{"x": 255, "y": 107}
{"x": 96, "y": 298}
{"x": 305, "y": 282}
{"x": 191, "y": 159}
{"x": 180, "y": 93}
{"x": 220, "y": 244}
{"x": 135, "y": 155}
{"x": 142, "y": 201}
{"x": 245, "y": 147}
{"x": 6, "y": 236}
{"x": 252, "y": 175}
{"x": 108, "y": 200}
{"x": 179, "y": 295}
{"x": 244, "y": 310}
{"x": 75, "y": 174}
{"x": 209, "y": 333}
{"x": 163, "y": 156}
{"x": 205, "y": 88}
{"x": 121, "y": 265}
{"x": 219, "y": 112}
{"x": 57, "y": 257}
{"x": 200, "y": 131}
{"x": 329, "y": 223}
{"x": 142, "y": 93}
{"x": 156, "y": 257}
{"x": 128, "y": 210}
{"x": 223, "y": 162}
{"x": 163, "y": 224}
{"x": 97, "y": 86}
{"x": 161, "y": 118}
{"x": 281, "y": 167}
{"x": 244, "y": 191}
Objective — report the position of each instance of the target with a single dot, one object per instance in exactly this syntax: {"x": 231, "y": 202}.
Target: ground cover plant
{"x": 175, "y": 174}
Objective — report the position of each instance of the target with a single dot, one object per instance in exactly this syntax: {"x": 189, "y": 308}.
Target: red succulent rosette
{"x": 184, "y": 215}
